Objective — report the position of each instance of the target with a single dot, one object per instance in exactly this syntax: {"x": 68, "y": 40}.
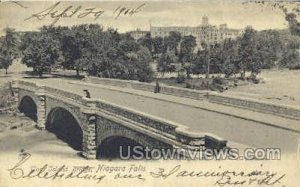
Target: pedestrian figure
{"x": 157, "y": 87}
{"x": 11, "y": 89}
{"x": 87, "y": 94}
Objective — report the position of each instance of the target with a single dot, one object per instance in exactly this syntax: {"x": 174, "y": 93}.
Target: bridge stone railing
{"x": 72, "y": 96}
{"x": 138, "y": 117}
{"x": 150, "y": 87}
{"x": 171, "y": 130}
{"x": 291, "y": 112}
{"x": 29, "y": 85}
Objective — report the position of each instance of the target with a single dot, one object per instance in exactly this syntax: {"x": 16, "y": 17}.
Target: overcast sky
{"x": 156, "y": 13}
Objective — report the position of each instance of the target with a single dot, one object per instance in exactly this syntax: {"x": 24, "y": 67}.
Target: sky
{"x": 156, "y": 13}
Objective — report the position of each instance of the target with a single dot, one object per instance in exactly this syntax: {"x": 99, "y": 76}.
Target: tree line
{"x": 250, "y": 52}
{"x": 88, "y": 48}
{"x": 107, "y": 53}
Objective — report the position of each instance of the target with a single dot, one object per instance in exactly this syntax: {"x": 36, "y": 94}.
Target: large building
{"x": 204, "y": 33}
{"x": 138, "y": 33}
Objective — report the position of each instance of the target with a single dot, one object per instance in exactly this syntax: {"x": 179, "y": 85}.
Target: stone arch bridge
{"x": 97, "y": 127}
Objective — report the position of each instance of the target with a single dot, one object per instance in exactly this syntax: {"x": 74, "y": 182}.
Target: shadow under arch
{"x": 116, "y": 147}
{"x": 28, "y": 107}
{"x": 65, "y": 126}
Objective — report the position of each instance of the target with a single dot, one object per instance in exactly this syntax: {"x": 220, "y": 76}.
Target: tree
{"x": 8, "y": 48}
{"x": 290, "y": 57}
{"x": 270, "y": 47}
{"x": 228, "y": 57}
{"x": 144, "y": 71}
{"x": 5, "y": 62}
{"x": 294, "y": 25}
{"x": 216, "y": 58}
{"x": 172, "y": 41}
{"x": 166, "y": 63}
{"x": 72, "y": 42}
{"x": 89, "y": 42}
{"x": 199, "y": 63}
{"x": 108, "y": 54}
{"x": 43, "y": 52}
{"x": 146, "y": 41}
{"x": 158, "y": 45}
{"x": 128, "y": 45}
{"x": 247, "y": 51}
{"x": 206, "y": 48}
{"x": 187, "y": 47}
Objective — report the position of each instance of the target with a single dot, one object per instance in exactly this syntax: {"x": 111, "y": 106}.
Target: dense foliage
{"x": 107, "y": 53}
{"x": 89, "y": 48}
{"x": 251, "y": 52}
{"x": 8, "y": 48}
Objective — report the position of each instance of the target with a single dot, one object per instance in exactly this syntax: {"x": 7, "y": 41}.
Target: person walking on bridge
{"x": 87, "y": 93}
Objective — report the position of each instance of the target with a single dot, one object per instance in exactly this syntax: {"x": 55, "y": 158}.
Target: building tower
{"x": 205, "y": 21}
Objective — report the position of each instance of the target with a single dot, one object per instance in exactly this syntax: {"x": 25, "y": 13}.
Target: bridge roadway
{"x": 239, "y": 132}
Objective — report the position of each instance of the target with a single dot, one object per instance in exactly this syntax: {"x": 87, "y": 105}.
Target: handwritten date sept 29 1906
{"x": 57, "y": 11}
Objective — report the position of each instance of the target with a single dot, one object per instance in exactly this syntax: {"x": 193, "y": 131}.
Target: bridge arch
{"x": 117, "y": 146}
{"x": 28, "y": 106}
{"x": 66, "y": 127}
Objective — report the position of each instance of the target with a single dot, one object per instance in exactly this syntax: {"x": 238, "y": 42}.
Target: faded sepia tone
{"x": 85, "y": 84}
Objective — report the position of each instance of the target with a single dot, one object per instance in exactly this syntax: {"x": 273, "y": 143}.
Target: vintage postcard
{"x": 150, "y": 93}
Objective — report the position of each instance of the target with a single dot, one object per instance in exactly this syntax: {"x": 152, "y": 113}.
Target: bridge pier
{"x": 89, "y": 148}
{"x": 89, "y": 137}
{"x": 41, "y": 108}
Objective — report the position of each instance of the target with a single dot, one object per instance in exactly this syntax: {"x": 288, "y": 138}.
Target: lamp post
{"x": 207, "y": 63}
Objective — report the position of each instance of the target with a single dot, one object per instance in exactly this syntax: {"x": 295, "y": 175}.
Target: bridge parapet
{"x": 72, "y": 96}
{"x": 139, "y": 117}
{"x": 25, "y": 84}
{"x": 287, "y": 111}
{"x": 258, "y": 105}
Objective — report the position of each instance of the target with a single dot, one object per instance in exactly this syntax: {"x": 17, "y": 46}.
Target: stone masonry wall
{"x": 259, "y": 106}
{"x": 169, "y": 90}
{"x": 246, "y": 103}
